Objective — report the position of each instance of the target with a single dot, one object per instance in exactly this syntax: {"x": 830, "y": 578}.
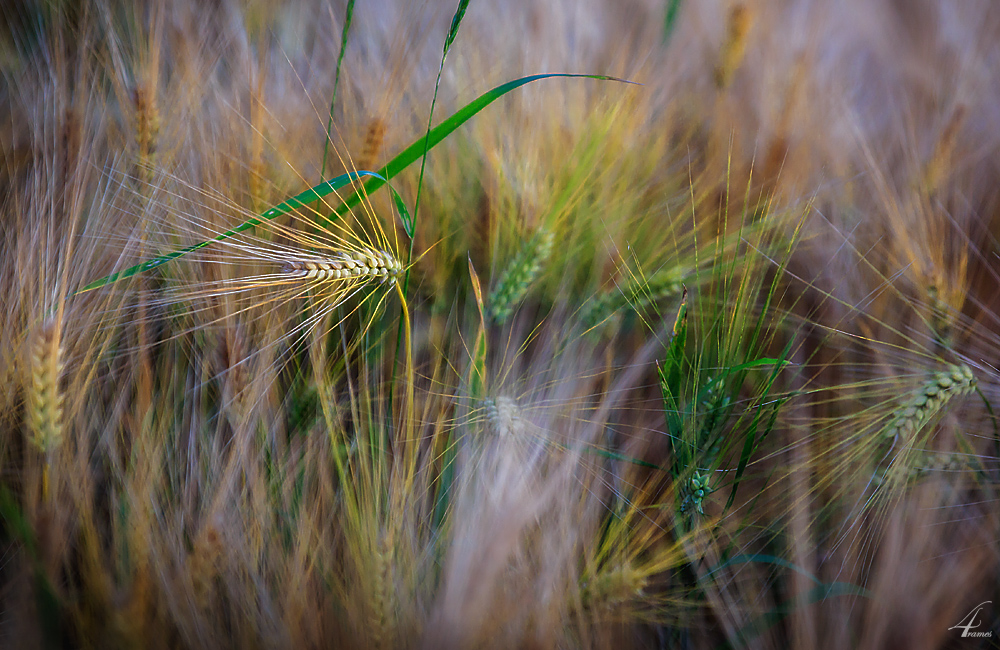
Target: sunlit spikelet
{"x": 306, "y": 256}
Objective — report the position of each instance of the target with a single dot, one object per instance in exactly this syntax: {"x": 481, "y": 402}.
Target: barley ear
{"x": 364, "y": 264}
{"x": 44, "y": 398}
{"x": 638, "y": 295}
{"x": 147, "y": 129}
{"x": 930, "y": 399}
{"x": 374, "y": 137}
{"x": 503, "y": 415}
{"x": 203, "y": 566}
{"x": 613, "y": 588}
{"x": 938, "y": 168}
{"x": 738, "y": 24}
{"x": 517, "y": 278}
{"x": 382, "y": 623}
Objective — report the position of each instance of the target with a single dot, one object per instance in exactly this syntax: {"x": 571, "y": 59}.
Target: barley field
{"x": 487, "y": 324}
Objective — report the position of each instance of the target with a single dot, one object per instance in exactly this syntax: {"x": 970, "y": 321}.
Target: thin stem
{"x": 349, "y": 14}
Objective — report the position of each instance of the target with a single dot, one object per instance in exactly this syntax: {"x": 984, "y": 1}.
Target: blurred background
{"x": 708, "y": 359}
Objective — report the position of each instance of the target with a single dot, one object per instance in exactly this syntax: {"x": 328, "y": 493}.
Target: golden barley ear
{"x": 363, "y": 263}
{"x": 613, "y": 589}
{"x": 374, "y": 137}
{"x": 738, "y": 24}
{"x": 147, "y": 130}
{"x": 44, "y": 397}
{"x": 203, "y": 565}
{"x": 938, "y": 169}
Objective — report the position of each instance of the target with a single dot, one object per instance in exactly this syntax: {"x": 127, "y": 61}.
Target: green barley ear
{"x": 383, "y": 619}
{"x": 930, "y": 399}
{"x": 44, "y": 398}
{"x": 639, "y": 295}
{"x": 517, "y": 278}
{"x": 926, "y": 463}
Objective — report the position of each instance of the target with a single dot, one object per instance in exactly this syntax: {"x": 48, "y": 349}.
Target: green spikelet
{"x": 930, "y": 399}
{"x": 517, "y": 278}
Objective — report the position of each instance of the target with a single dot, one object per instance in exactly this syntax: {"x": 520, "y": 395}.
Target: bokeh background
{"x": 704, "y": 360}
